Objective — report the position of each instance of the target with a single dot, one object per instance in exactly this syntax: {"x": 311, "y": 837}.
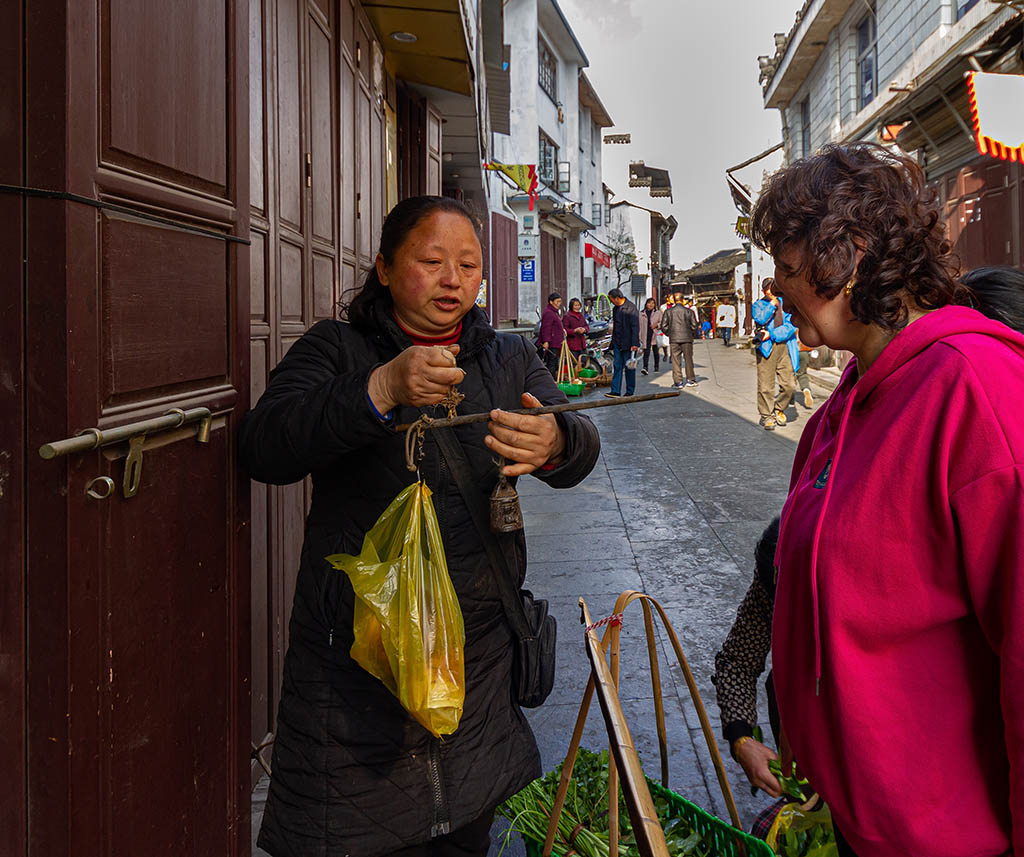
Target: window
{"x": 563, "y": 177}
{"x": 547, "y": 70}
{"x": 805, "y": 128}
{"x": 547, "y": 158}
{"x": 963, "y": 7}
{"x": 867, "y": 61}
{"x": 595, "y": 143}
{"x": 596, "y": 209}
{"x": 583, "y": 139}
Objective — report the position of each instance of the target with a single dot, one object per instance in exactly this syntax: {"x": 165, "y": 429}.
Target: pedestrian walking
{"x": 663, "y": 342}
{"x": 726, "y": 321}
{"x": 772, "y": 327}
{"x": 680, "y": 326}
{"x": 576, "y": 327}
{"x": 803, "y": 382}
{"x": 650, "y": 322}
{"x": 353, "y": 772}
{"x": 625, "y": 343}
{"x": 898, "y": 627}
{"x": 552, "y": 333}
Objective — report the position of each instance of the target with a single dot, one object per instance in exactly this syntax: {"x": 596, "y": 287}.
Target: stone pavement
{"x": 681, "y": 493}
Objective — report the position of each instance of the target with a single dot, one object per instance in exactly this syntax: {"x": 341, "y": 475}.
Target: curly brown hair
{"x": 861, "y": 196}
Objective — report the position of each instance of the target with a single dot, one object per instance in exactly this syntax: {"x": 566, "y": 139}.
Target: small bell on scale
{"x": 506, "y": 516}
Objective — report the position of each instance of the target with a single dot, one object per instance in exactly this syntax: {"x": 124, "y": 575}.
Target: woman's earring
{"x": 848, "y": 288}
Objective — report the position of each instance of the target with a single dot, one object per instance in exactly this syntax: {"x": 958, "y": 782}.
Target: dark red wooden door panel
{"x": 138, "y": 606}
{"x": 13, "y": 807}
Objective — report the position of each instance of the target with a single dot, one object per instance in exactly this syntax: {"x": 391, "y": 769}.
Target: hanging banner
{"x": 597, "y": 254}
{"x": 996, "y": 101}
{"x": 524, "y": 175}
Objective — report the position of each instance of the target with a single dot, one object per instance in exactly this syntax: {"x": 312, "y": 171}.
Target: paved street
{"x": 674, "y": 507}
{"x": 683, "y": 489}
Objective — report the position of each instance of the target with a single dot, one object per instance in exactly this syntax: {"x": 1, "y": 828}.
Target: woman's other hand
{"x": 421, "y": 375}
{"x": 754, "y": 757}
{"x": 529, "y": 442}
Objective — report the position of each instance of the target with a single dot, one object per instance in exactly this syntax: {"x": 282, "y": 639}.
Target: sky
{"x": 681, "y": 77}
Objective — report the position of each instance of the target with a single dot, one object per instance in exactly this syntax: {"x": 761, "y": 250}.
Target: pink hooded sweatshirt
{"x": 898, "y": 633}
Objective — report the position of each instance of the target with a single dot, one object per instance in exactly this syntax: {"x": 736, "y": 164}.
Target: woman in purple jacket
{"x": 551, "y": 333}
{"x": 576, "y": 327}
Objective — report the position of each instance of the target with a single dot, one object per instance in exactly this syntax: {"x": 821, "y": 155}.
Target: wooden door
{"x": 317, "y": 177}
{"x": 13, "y": 815}
{"x": 294, "y": 174}
{"x": 504, "y": 259}
{"x": 137, "y": 606}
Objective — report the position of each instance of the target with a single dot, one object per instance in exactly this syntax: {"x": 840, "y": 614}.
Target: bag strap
{"x": 511, "y": 600}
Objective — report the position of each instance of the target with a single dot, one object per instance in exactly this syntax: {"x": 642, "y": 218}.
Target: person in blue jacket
{"x": 773, "y": 326}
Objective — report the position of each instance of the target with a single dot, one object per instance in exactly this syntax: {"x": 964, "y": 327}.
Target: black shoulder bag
{"x": 533, "y": 662}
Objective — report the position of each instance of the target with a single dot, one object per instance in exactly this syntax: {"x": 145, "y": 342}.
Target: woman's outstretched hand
{"x": 421, "y": 375}
{"x": 528, "y": 442}
{"x": 754, "y": 757}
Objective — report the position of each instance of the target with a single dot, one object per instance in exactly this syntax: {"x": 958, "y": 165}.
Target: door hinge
{"x": 309, "y": 169}
{"x": 359, "y": 205}
{"x": 359, "y": 55}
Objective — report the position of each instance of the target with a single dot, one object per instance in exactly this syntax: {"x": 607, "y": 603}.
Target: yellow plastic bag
{"x": 408, "y": 624}
{"x": 801, "y": 831}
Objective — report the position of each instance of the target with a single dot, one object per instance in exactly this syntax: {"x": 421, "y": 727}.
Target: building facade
{"x": 893, "y": 71}
{"x": 555, "y": 122}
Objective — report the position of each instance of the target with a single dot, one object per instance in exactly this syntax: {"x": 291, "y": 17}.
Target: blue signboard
{"x": 527, "y": 270}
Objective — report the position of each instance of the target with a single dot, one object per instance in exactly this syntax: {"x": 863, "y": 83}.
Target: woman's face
{"x": 650, "y": 304}
{"x": 435, "y": 275}
{"x": 821, "y": 321}
{"x": 574, "y": 305}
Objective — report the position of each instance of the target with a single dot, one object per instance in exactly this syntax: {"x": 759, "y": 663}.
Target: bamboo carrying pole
{"x": 466, "y": 419}
{"x": 607, "y": 682}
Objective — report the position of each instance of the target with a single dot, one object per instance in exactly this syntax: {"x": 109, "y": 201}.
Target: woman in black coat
{"x": 353, "y": 773}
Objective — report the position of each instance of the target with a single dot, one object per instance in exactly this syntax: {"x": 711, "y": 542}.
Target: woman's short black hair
{"x": 861, "y": 198}
{"x": 998, "y": 292}
{"x": 576, "y": 301}
{"x": 401, "y": 220}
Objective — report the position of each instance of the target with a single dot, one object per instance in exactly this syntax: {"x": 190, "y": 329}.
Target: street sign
{"x": 528, "y": 245}
{"x": 528, "y": 270}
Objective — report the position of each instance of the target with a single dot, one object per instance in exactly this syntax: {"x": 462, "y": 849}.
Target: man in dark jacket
{"x": 552, "y": 333}
{"x": 354, "y": 773}
{"x": 679, "y": 324}
{"x": 625, "y": 342}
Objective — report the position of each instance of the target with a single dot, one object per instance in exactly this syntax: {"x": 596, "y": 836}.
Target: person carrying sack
{"x": 353, "y": 771}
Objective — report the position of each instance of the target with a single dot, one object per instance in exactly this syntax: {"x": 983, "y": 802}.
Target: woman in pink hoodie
{"x": 898, "y": 631}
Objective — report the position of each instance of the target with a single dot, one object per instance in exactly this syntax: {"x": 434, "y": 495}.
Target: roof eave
{"x": 804, "y": 45}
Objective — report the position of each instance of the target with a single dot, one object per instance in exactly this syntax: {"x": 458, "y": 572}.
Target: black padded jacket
{"x": 353, "y": 773}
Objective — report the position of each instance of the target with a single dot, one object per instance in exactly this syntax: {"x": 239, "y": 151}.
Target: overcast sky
{"x": 681, "y": 77}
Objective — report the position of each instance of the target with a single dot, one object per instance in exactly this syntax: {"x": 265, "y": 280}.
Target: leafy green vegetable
{"x": 586, "y": 803}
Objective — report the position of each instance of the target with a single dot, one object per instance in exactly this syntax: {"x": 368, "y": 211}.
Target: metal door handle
{"x": 135, "y": 434}
{"x": 93, "y": 438}
{"x": 100, "y": 488}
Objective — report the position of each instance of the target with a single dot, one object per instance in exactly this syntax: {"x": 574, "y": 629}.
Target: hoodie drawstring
{"x": 833, "y": 464}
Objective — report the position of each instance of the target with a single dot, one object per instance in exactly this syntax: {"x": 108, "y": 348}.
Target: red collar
{"x": 450, "y": 339}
